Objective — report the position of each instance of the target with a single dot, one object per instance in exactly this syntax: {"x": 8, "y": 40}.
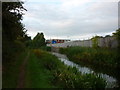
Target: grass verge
{"x": 11, "y": 71}
{"x": 46, "y": 71}
{"x": 36, "y": 75}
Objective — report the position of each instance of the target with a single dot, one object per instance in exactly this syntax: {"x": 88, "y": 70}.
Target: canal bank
{"x": 111, "y": 81}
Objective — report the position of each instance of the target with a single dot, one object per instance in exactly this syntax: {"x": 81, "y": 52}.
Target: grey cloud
{"x": 94, "y": 18}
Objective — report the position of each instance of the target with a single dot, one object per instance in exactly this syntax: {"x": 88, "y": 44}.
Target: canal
{"x": 111, "y": 81}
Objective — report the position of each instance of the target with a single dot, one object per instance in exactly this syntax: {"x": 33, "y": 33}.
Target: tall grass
{"x": 44, "y": 70}
{"x": 98, "y": 56}
{"x": 64, "y": 76}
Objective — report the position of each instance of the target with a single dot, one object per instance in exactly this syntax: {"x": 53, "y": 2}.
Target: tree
{"x": 107, "y": 36}
{"x": 11, "y": 19}
{"x": 13, "y": 31}
{"x": 39, "y": 40}
{"x": 95, "y": 41}
{"x": 117, "y": 35}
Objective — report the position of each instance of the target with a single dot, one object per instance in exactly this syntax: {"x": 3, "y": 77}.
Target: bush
{"x": 19, "y": 46}
{"x": 92, "y": 55}
{"x": 38, "y": 52}
{"x": 68, "y": 77}
{"x": 48, "y": 48}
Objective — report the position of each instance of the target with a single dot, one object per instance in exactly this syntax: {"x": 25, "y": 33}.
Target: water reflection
{"x": 111, "y": 82}
{"x": 81, "y": 69}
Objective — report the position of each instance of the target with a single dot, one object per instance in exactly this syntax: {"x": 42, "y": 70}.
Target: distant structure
{"x": 110, "y": 42}
{"x": 54, "y": 41}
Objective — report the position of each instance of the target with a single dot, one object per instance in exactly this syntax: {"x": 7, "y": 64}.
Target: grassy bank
{"x": 44, "y": 70}
{"x": 97, "y": 57}
{"x": 37, "y": 76}
{"x": 10, "y": 72}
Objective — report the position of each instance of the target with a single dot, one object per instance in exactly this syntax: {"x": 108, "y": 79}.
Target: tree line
{"x": 14, "y": 34}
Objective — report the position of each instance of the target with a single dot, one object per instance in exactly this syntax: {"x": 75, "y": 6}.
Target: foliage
{"x": 38, "y": 41}
{"x": 10, "y": 71}
{"x": 13, "y": 31}
{"x": 95, "y": 41}
{"x": 45, "y": 48}
{"x": 117, "y": 35}
{"x": 11, "y": 17}
{"x": 48, "y": 48}
{"x": 44, "y": 70}
{"x": 67, "y": 77}
{"x": 37, "y": 76}
{"x": 107, "y": 36}
{"x": 104, "y": 57}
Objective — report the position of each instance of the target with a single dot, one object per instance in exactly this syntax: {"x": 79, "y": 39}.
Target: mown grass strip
{"x": 36, "y": 75}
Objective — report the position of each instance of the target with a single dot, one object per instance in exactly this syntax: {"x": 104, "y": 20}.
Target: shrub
{"x": 67, "y": 77}
{"x": 97, "y": 56}
{"x": 38, "y": 52}
{"x": 95, "y": 42}
{"x": 48, "y": 48}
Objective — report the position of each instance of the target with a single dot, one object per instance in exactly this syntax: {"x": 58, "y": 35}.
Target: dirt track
{"x": 21, "y": 79}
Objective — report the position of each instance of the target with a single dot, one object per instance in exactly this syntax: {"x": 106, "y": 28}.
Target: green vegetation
{"x": 95, "y": 41}
{"x": 36, "y": 75}
{"x": 11, "y": 71}
{"x": 96, "y": 56}
{"x": 117, "y": 35}
{"x": 13, "y": 42}
{"x": 13, "y": 31}
{"x": 38, "y": 41}
{"x": 51, "y": 72}
{"x": 44, "y": 70}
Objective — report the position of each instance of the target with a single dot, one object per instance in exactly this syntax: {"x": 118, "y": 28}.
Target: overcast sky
{"x": 71, "y": 19}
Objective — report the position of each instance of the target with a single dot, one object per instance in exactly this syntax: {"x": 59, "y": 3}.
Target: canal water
{"x": 111, "y": 82}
